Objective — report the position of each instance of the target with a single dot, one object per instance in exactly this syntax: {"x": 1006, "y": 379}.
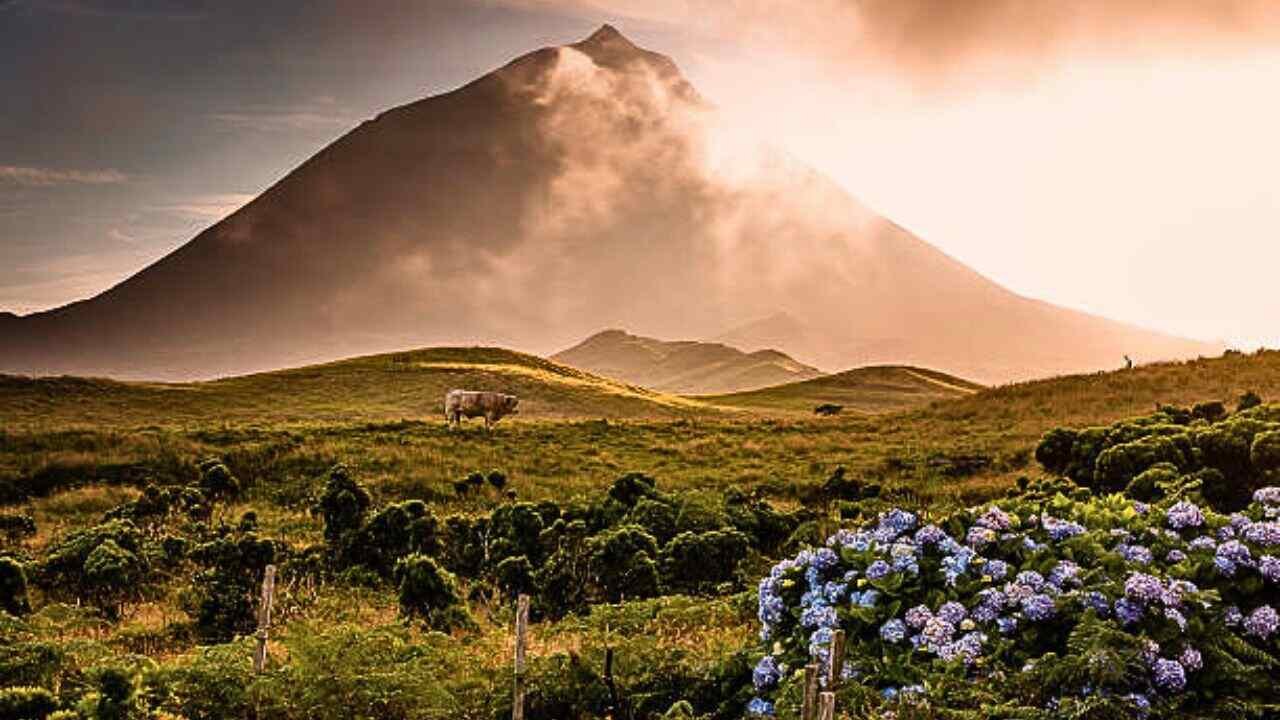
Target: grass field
{"x": 71, "y": 449}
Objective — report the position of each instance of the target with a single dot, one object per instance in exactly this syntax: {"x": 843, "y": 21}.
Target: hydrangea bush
{"x": 1053, "y": 601}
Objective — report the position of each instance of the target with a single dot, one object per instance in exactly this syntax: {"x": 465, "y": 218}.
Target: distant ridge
{"x": 686, "y": 367}
{"x": 877, "y": 389}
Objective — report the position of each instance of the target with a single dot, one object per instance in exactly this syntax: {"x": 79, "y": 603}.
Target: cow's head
{"x": 511, "y": 402}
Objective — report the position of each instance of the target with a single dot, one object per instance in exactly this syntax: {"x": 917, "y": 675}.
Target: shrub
{"x": 224, "y": 593}
{"x": 343, "y": 505}
{"x": 104, "y": 564}
{"x": 622, "y": 563}
{"x": 497, "y": 479}
{"x": 26, "y": 703}
{"x": 629, "y": 488}
{"x": 430, "y": 593}
{"x": 698, "y": 563}
{"x": 391, "y": 533}
{"x": 13, "y": 587}
{"x": 1248, "y": 401}
{"x": 116, "y": 698}
{"x": 216, "y": 481}
{"x": 514, "y": 531}
{"x": 16, "y": 526}
{"x": 112, "y": 575}
{"x": 1209, "y": 411}
{"x": 657, "y": 517}
{"x": 1264, "y": 454}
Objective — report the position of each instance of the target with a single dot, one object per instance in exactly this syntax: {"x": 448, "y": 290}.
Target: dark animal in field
{"x": 828, "y": 409}
{"x": 491, "y": 406}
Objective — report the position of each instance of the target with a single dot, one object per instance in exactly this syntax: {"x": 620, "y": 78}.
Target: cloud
{"x": 49, "y": 177}
{"x": 207, "y": 207}
{"x": 316, "y": 114}
{"x": 977, "y": 40}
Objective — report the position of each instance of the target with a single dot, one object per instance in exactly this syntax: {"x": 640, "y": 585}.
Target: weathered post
{"x": 264, "y": 618}
{"x": 809, "y": 709}
{"x": 835, "y": 668}
{"x": 522, "y": 628}
{"x": 827, "y": 706}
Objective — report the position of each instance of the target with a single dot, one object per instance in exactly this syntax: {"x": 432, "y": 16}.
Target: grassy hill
{"x": 687, "y": 367}
{"x": 865, "y": 390}
{"x": 378, "y": 387}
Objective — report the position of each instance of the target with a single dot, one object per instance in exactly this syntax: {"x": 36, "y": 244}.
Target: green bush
{"x": 26, "y": 703}
{"x": 623, "y": 563}
{"x": 112, "y": 575}
{"x": 216, "y": 481}
{"x": 657, "y": 517}
{"x": 430, "y": 593}
{"x": 16, "y": 526}
{"x": 698, "y": 563}
{"x": 1264, "y": 454}
{"x": 391, "y": 533}
{"x": 13, "y": 587}
{"x": 343, "y": 505}
{"x": 224, "y": 594}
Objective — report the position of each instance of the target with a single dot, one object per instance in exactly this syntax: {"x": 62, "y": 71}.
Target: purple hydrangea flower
{"x": 1269, "y": 566}
{"x": 1190, "y": 659}
{"x": 1177, "y": 618}
{"x": 878, "y": 569}
{"x": 937, "y": 632}
{"x": 997, "y": 569}
{"x": 917, "y": 616}
{"x": 1169, "y": 675}
{"x": 1184, "y": 515}
{"x": 1031, "y": 579}
{"x": 1266, "y": 534}
{"x": 1262, "y": 622}
{"x": 1098, "y": 602}
{"x": 1143, "y": 588}
{"x": 979, "y": 537}
{"x": 1232, "y": 616}
{"x": 1134, "y": 553}
{"x": 1175, "y": 556}
{"x": 1267, "y": 496}
{"x": 995, "y": 519}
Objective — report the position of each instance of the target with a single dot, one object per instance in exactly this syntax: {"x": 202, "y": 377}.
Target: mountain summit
{"x": 577, "y": 187}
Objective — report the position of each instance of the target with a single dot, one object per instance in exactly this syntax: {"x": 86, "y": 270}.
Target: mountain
{"x": 684, "y": 367}
{"x": 877, "y": 389}
{"x": 577, "y": 187}
{"x": 375, "y": 388}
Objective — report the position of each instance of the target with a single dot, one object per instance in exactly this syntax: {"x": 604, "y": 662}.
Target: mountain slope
{"x": 876, "y": 389}
{"x": 685, "y": 367}
{"x": 380, "y": 387}
{"x": 578, "y": 187}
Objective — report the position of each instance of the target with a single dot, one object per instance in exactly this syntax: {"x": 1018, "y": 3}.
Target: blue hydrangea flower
{"x": 937, "y": 632}
{"x": 930, "y": 535}
{"x": 1064, "y": 574}
{"x": 1128, "y": 611}
{"x": 834, "y": 591}
{"x": 953, "y": 612}
{"x": 1232, "y": 616}
{"x": 1230, "y": 555}
{"x": 1137, "y": 554}
{"x": 1098, "y": 602}
{"x": 1007, "y": 625}
{"x": 997, "y": 569}
{"x": 766, "y": 673}
{"x": 878, "y": 569}
{"x": 893, "y": 631}
{"x": 1177, "y": 618}
{"x": 1060, "y": 530}
{"x": 1204, "y": 542}
{"x": 1175, "y": 556}
{"x": 823, "y": 616}
{"x": 865, "y": 599}
{"x": 760, "y": 707}
{"x": 1184, "y": 514}
{"x": 824, "y": 559}
{"x": 1031, "y": 579}
{"x": 1038, "y": 607}
{"x": 1169, "y": 675}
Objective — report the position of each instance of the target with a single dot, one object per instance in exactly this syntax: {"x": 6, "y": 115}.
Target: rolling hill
{"x": 578, "y": 187}
{"x": 375, "y": 388}
{"x": 686, "y": 367}
{"x": 876, "y": 389}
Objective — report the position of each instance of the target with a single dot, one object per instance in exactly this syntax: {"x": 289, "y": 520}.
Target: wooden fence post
{"x": 827, "y": 706}
{"x": 809, "y": 710}
{"x": 522, "y": 629}
{"x": 264, "y": 618}
{"x": 835, "y": 668}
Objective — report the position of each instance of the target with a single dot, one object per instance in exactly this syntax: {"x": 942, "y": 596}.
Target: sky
{"x": 1114, "y": 156}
